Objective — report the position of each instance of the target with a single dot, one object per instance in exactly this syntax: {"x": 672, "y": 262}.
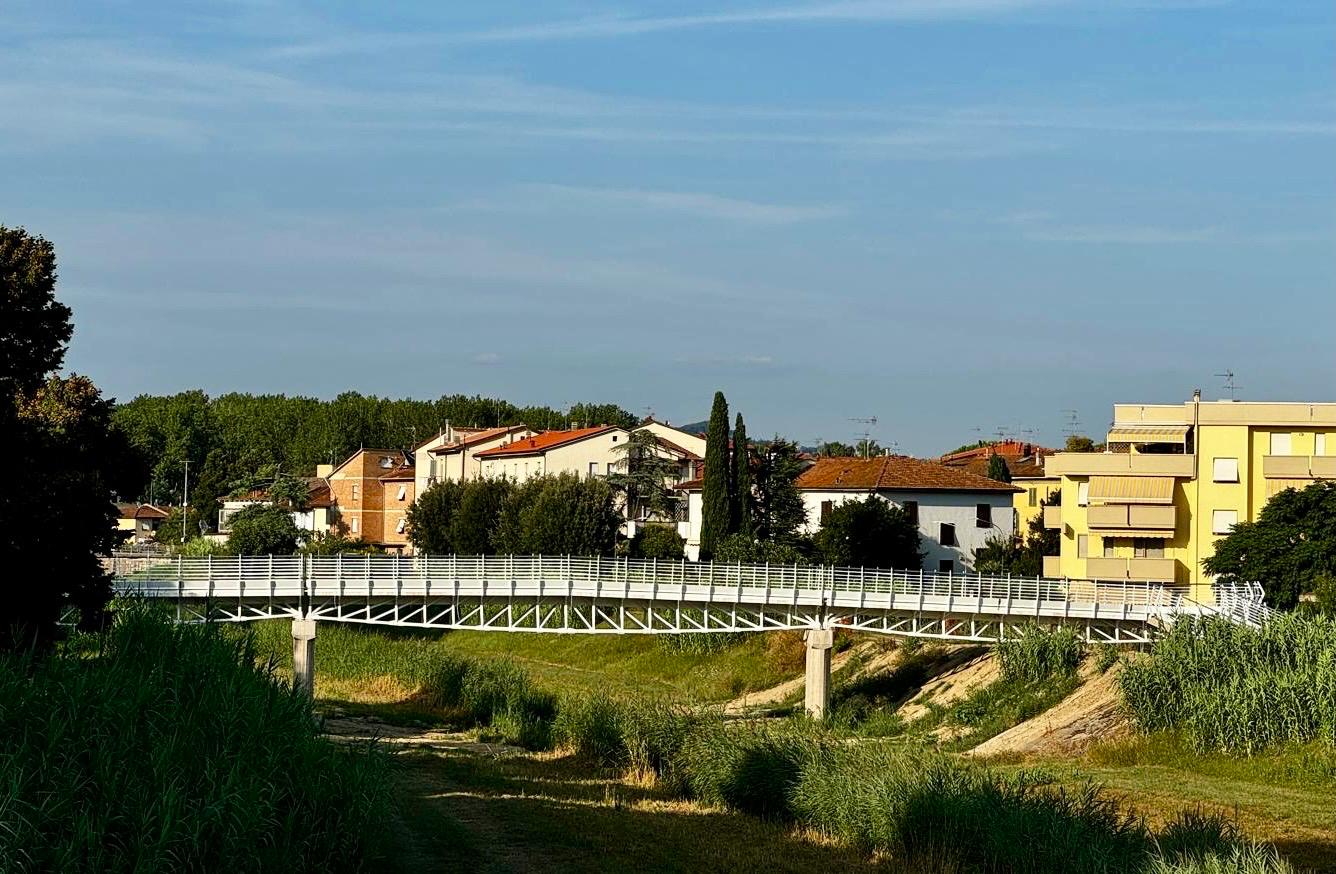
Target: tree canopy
{"x": 1290, "y": 545}
{"x": 742, "y": 497}
{"x": 869, "y": 533}
{"x": 778, "y": 506}
{"x": 263, "y": 529}
{"x": 998, "y": 470}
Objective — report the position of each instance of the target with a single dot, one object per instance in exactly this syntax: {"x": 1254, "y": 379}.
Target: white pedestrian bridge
{"x": 581, "y": 595}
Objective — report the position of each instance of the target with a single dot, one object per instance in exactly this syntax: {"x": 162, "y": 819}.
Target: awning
{"x": 1132, "y": 489}
{"x": 1276, "y": 486}
{"x": 1148, "y": 433}
{"x": 1145, "y": 533}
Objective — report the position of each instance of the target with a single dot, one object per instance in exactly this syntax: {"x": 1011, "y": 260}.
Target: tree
{"x": 1292, "y": 543}
{"x": 867, "y": 448}
{"x": 716, "y": 491}
{"x": 324, "y": 543}
{"x": 1022, "y": 554}
{"x": 431, "y": 516}
{"x": 741, "y": 548}
{"x": 559, "y": 515}
{"x": 473, "y": 528}
{"x": 169, "y": 532}
{"x": 998, "y": 470}
{"x": 1079, "y": 443}
{"x": 263, "y": 529}
{"x": 742, "y": 481}
{"x": 779, "y": 511}
{"x": 657, "y": 541}
{"x": 835, "y": 449}
{"x": 36, "y": 326}
{"x": 643, "y": 478}
{"x": 869, "y": 533}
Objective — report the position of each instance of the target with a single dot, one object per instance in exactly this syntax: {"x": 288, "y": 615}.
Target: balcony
{"x": 1160, "y": 570}
{"x": 1323, "y": 466}
{"x": 1299, "y": 466}
{"x": 1053, "y": 518}
{"x": 1124, "y": 463}
{"x": 1133, "y": 520}
{"x": 1052, "y": 566}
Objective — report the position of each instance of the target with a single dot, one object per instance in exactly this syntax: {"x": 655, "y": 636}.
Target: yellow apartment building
{"x": 1177, "y": 477}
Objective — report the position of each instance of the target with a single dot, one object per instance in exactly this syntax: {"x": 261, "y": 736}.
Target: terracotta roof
{"x": 402, "y": 472}
{"x": 141, "y": 511}
{"x": 476, "y": 437}
{"x": 668, "y": 444}
{"x": 543, "y": 442}
{"x": 894, "y": 472}
{"x": 1020, "y": 468}
{"x": 319, "y": 495}
{"x": 691, "y": 485}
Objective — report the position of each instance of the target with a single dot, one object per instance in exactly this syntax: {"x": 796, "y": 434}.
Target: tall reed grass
{"x": 1236, "y": 689}
{"x": 171, "y": 749}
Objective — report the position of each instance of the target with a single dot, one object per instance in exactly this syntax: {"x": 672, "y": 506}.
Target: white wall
{"x": 600, "y": 450}
{"x": 689, "y": 442}
{"x": 690, "y": 529}
{"x": 934, "y": 508}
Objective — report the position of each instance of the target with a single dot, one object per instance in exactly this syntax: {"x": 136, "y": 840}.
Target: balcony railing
{"x": 1299, "y": 466}
{"x": 1161, "y": 570}
{"x": 1118, "y": 464}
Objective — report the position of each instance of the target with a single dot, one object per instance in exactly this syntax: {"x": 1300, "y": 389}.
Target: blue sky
{"x": 948, "y": 214}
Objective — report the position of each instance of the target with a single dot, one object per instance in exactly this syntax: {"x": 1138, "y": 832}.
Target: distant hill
{"x": 695, "y": 427}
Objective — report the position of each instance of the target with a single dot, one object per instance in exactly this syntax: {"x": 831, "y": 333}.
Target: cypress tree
{"x": 742, "y": 481}
{"x": 998, "y": 470}
{"x": 716, "y": 501}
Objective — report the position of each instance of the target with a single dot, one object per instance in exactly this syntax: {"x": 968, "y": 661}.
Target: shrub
{"x": 492, "y": 693}
{"x": 1039, "y": 654}
{"x": 657, "y": 541}
{"x": 869, "y": 533}
{"x": 263, "y": 529}
{"x": 590, "y": 726}
{"x": 171, "y": 750}
{"x": 751, "y": 768}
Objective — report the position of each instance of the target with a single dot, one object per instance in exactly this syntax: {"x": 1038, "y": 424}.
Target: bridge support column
{"x": 816, "y": 693}
{"x": 303, "y": 655}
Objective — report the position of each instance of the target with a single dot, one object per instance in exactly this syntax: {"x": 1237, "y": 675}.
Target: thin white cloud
{"x": 699, "y": 204}
{"x": 487, "y": 359}
{"x": 1135, "y": 235}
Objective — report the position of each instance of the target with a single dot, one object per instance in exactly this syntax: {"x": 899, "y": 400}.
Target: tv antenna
{"x": 1228, "y": 377}
{"x": 868, "y": 424}
{"x": 1073, "y": 426}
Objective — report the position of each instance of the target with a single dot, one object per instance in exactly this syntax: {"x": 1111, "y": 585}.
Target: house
{"x": 371, "y": 492}
{"x": 314, "y": 516}
{"x": 138, "y": 523}
{"x": 957, "y": 511}
{"x": 452, "y": 455}
{"x": 1025, "y": 463}
{"x": 1175, "y": 478}
{"x": 585, "y": 452}
{"x": 691, "y": 444}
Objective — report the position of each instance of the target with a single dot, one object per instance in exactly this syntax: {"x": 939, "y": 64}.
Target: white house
{"x": 957, "y": 511}
{"x": 452, "y": 454}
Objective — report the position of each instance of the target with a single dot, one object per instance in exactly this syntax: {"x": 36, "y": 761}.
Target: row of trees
{"x": 235, "y": 437}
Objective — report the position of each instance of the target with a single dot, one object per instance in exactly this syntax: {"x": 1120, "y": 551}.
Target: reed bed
{"x": 170, "y": 749}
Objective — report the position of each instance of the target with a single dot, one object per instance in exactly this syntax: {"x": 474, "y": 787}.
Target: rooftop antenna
{"x": 1228, "y": 377}
{"x": 868, "y": 424}
{"x": 1073, "y": 426}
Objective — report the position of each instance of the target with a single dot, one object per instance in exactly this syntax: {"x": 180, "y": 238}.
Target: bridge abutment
{"x": 303, "y": 655}
{"x": 816, "y": 691}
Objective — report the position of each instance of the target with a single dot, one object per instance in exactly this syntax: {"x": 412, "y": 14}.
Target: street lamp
{"x": 185, "y": 501}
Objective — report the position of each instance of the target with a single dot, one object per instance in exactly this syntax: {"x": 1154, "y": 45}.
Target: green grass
{"x": 169, "y": 748}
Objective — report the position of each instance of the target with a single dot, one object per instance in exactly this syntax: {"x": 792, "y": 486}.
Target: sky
{"x": 960, "y": 217}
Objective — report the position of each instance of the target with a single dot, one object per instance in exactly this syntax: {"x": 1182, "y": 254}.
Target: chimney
{"x": 1196, "y": 395}
{"x": 324, "y": 470}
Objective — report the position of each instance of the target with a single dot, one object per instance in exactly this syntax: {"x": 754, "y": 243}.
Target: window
{"x": 946, "y": 566}
{"x": 1082, "y": 545}
{"x": 612, "y": 467}
{"x": 1223, "y": 521}
{"x": 827, "y": 507}
{"x": 386, "y": 462}
{"x": 983, "y": 515}
{"x": 403, "y": 492}
{"x": 1225, "y": 470}
{"x": 593, "y": 469}
{"x": 355, "y": 524}
{"x": 911, "y": 510}
{"x": 1083, "y": 494}
{"x": 356, "y": 489}
{"x": 1280, "y": 444}
{"x": 1034, "y": 497}
{"x": 1148, "y": 547}
{"x": 1319, "y": 444}
{"x": 1110, "y": 549}
{"x": 403, "y": 523}
{"x": 947, "y": 534}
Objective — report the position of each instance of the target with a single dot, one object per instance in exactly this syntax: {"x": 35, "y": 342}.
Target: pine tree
{"x": 742, "y": 481}
{"x": 716, "y": 501}
{"x": 998, "y": 470}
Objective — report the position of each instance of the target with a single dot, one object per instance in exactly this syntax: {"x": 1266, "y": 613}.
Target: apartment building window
{"x": 911, "y": 510}
{"x": 1034, "y": 497}
{"x": 1225, "y": 470}
{"x": 356, "y": 491}
{"x": 355, "y": 524}
{"x": 827, "y": 507}
{"x": 403, "y": 492}
{"x": 1110, "y": 548}
{"x": 399, "y": 529}
{"x": 1319, "y": 444}
{"x": 946, "y": 566}
{"x": 946, "y": 534}
{"x": 1148, "y": 547}
{"x": 1281, "y": 444}
{"x": 1223, "y": 521}
{"x": 593, "y": 469}
{"x": 1082, "y": 545}
{"x": 1083, "y": 494}
{"x": 983, "y": 515}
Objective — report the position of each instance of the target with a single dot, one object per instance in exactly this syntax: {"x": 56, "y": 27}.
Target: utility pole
{"x": 185, "y": 501}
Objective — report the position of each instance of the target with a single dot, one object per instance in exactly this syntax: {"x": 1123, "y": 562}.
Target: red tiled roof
{"x": 543, "y": 442}
{"x": 894, "y": 472}
{"x": 476, "y": 437}
{"x": 1020, "y": 468}
{"x": 141, "y": 511}
{"x": 691, "y": 485}
{"x": 402, "y": 472}
{"x": 668, "y": 444}
{"x": 1005, "y": 448}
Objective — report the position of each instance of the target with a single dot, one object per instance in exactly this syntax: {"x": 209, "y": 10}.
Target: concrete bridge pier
{"x": 816, "y": 692}
{"x": 303, "y": 655}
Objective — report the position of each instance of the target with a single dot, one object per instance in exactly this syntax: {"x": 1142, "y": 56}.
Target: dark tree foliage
{"x": 643, "y": 479}
{"x": 196, "y": 523}
{"x": 559, "y": 515}
{"x": 62, "y": 458}
{"x": 1080, "y": 443}
{"x": 473, "y": 529}
{"x": 716, "y": 490}
{"x": 322, "y": 543}
{"x": 1292, "y": 543}
{"x": 778, "y": 506}
{"x": 742, "y": 481}
{"x": 263, "y": 529}
{"x": 869, "y": 533}
{"x": 657, "y": 541}
{"x": 998, "y": 470}
{"x": 747, "y": 550}
{"x": 1023, "y": 554}
{"x": 431, "y": 518}
{"x": 835, "y": 449}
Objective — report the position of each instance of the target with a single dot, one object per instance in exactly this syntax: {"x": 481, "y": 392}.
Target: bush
{"x": 1237, "y": 689}
{"x": 657, "y": 541}
{"x": 869, "y": 533}
{"x": 1039, "y": 654}
{"x": 751, "y": 768}
{"x": 742, "y": 548}
{"x": 498, "y": 694}
{"x": 263, "y": 529}
{"x": 559, "y": 515}
{"x": 321, "y": 543}
{"x": 591, "y": 727}
{"x": 171, "y": 750}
